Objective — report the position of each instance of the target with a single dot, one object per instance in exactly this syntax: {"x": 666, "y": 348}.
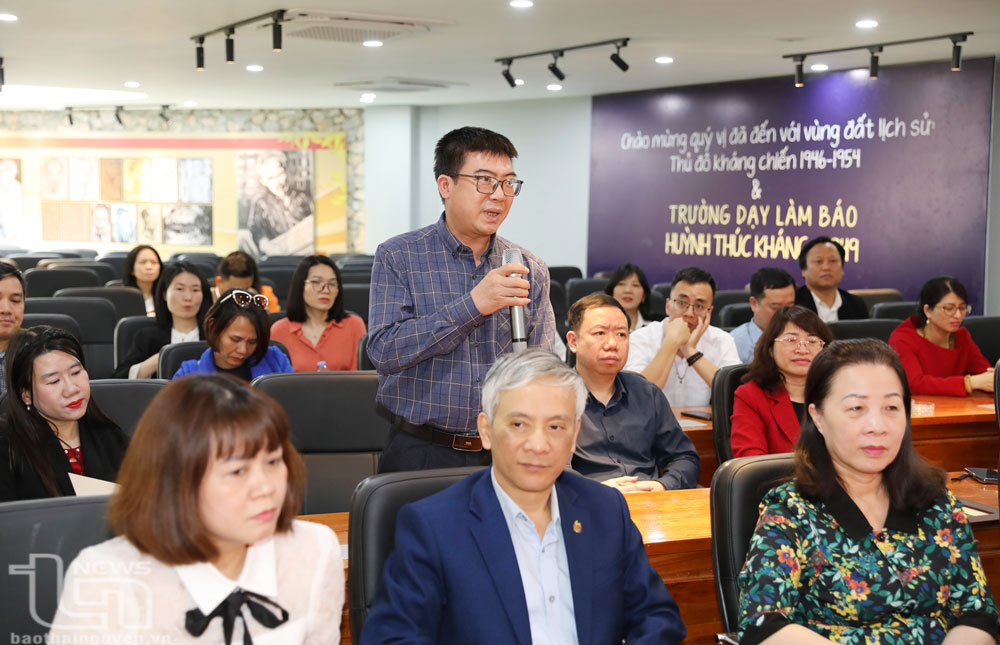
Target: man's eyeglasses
{"x": 319, "y": 285}
{"x": 488, "y": 185}
{"x": 245, "y": 299}
{"x": 950, "y": 310}
{"x": 696, "y": 306}
{"x": 810, "y": 342}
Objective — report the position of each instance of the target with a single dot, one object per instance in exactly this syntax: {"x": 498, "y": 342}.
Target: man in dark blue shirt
{"x": 628, "y": 433}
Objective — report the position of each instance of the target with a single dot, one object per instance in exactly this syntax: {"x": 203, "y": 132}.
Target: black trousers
{"x": 405, "y": 452}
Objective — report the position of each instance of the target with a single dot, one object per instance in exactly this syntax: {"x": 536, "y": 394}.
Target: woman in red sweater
{"x": 768, "y": 407}
{"x": 937, "y": 352}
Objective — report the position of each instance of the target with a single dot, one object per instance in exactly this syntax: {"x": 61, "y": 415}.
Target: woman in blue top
{"x": 238, "y": 331}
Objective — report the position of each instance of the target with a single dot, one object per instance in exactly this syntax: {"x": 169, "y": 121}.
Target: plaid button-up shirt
{"x": 430, "y": 344}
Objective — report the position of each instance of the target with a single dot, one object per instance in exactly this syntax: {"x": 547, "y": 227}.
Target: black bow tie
{"x": 229, "y": 609}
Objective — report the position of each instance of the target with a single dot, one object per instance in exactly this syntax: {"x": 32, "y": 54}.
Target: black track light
{"x": 555, "y": 69}
{"x": 800, "y": 79}
{"x": 1, "y": 75}
{"x": 230, "y": 46}
{"x": 163, "y": 113}
{"x": 956, "y": 51}
{"x": 276, "y": 36}
{"x": 118, "y": 115}
{"x": 618, "y": 60}
{"x": 873, "y": 63}
{"x": 507, "y": 75}
{"x": 69, "y": 115}
{"x": 199, "y": 54}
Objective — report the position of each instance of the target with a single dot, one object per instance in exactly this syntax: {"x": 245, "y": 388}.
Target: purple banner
{"x": 735, "y": 176}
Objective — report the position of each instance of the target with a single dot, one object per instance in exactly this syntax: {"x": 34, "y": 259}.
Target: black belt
{"x": 463, "y": 442}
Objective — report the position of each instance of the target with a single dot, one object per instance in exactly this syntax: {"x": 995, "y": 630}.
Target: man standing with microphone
{"x": 441, "y": 306}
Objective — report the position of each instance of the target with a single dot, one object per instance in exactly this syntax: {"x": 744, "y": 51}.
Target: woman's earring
{"x": 29, "y": 407}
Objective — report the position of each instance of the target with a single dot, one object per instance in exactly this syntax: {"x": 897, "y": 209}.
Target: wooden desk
{"x": 676, "y": 529}
{"x": 960, "y": 433}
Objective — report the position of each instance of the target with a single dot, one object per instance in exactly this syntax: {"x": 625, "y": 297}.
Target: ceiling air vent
{"x": 397, "y": 84}
{"x": 350, "y": 27}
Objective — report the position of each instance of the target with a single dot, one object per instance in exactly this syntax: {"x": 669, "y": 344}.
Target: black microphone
{"x": 518, "y": 328}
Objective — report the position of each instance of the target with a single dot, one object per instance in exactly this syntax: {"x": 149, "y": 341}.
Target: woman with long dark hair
{"x": 182, "y": 300}
{"x": 865, "y": 544}
{"x": 317, "y": 331}
{"x": 142, "y": 271}
{"x": 938, "y": 354}
{"x": 52, "y": 427}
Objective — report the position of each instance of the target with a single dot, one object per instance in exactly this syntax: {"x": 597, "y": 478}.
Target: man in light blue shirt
{"x": 771, "y": 289}
{"x": 523, "y": 552}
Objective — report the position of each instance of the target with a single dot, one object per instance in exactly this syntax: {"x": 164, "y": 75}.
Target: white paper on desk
{"x": 691, "y": 423}
{"x": 988, "y": 406}
{"x": 87, "y": 486}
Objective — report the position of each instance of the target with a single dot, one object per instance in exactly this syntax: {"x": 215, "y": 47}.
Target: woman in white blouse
{"x": 182, "y": 299}
{"x": 208, "y": 549}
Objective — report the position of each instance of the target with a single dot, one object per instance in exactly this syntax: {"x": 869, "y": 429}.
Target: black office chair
{"x": 125, "y": 333}
{"x": 125, "y": 400}
{"x": 60, "y": 321}
{"x": 356, "y": 299}
{"x": 25, "y": 261}
{"x": 372, "y": 525}
{"x": 577, "y": 288}
{"x": 340, "y": 438}
{"x": 737, "y": 488}
{"x": 878, "y": 328}
{"x": 281, "y": 276}
{"x": 281, "y": 260}
{"x": 40, "y": 539}
{"x": 43, "y": 283}
{"x": 985, "y": 332}
{"x": 662, "y": 288}
{"x": 735, "y": 314}
{"x": 127, "y": 301}
{"x": 355, "y": 262}
{"x": 116, "y": 260}
{"x": 724, "y": 385}
{"x": 725, "y": 297}
{"x": 359, "y": 275}
{"x": 557, "y": 296}
{"x": 171, "y": 356}
{"x": 104, "y": 271}
{"x": 895, "y": 310}
{"x": 275, "y": 316}
{"x": 657, "y": 307}
{"x": 364, "y": 361}
{"x": 96, "y": 318}
{"x": 563, "y": 274}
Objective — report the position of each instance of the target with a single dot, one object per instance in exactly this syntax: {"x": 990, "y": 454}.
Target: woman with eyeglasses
{"x": 769, "y": 406}
{"x": 237, "y": 329}
{"x": 937, "y": 352}
{"x": 318, "y": 333}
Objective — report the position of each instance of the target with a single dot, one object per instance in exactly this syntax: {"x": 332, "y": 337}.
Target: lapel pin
{"x": 577, "y": 527}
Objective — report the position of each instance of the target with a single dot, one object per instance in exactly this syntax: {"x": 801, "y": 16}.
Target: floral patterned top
{"x": 821, "y": 565}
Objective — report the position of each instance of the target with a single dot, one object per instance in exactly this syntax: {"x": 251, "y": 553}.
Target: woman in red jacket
{"x": 937, "y": 352}
{"x": 768, "y": 407}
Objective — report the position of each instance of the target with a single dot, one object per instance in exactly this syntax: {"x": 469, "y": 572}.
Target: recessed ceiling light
{"x": 664, "y": 60}
{"x": 522, "y": 4}
{"x": 255, "y": 68}
{"x": 819, "y": 67}
{"x": 867, "y": 23}
{"x": 368, "y": 97}
{"x": 518, "y": 81}
{"x": 131, "y": 83}
{"x": 372, "y": 43}
{"x": 8, "y": 17}
{"x": 190, "y": 103}
{"x": 553, "y": 87}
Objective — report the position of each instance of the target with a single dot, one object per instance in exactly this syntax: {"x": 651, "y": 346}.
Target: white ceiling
{"x": 102, "y": 43}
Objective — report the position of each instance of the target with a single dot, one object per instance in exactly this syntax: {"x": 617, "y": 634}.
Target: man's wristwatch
{"x": 694, "y": 358}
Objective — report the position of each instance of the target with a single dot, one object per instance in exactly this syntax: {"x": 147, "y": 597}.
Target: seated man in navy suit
{"x": 523, "y": 552}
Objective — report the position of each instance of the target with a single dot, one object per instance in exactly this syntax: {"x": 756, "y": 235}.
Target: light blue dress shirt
{"x": 544, "y": 571}
{"x": 746, "y": 337}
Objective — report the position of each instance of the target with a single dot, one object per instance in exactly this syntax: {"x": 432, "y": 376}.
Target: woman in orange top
{"x": 318, "y": 333}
